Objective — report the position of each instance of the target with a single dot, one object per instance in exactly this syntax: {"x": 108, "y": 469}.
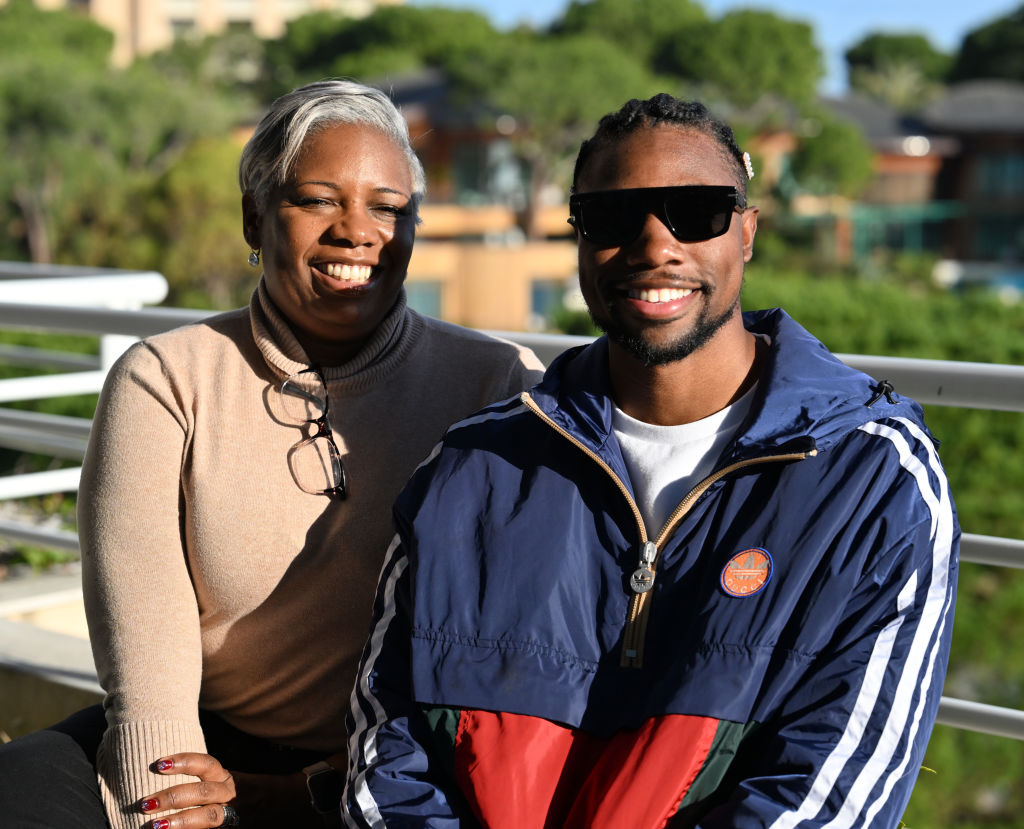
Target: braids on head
{"x": 664, "y": 109}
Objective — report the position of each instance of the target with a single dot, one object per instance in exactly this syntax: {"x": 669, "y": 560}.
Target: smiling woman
{"x": 235, "y": 503}
{"x": 336, "y": 238}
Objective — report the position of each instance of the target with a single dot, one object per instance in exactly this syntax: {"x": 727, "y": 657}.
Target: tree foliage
{"x": 195, "y": 215}
{"x": 644, "y": 28}
{"x": 390, "y": 41}
{"x": 26, "y": 29}
{"x": 902, "y": 70}
{"x": 749, "y": 54}
{"x": 82, "y": 141}
{"x": 556, "y": 89}
{"x": 232, "y": 63}
{"x": 995, "y": 50}
{"x": 881, "y": 49}
{"x": 833, "y": 157}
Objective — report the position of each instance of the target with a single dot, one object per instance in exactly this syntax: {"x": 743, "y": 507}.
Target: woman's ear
{"x": 251, "y": 221}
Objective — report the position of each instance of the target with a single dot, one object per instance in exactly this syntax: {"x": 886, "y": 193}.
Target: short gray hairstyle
{"x": 271, "y": 153}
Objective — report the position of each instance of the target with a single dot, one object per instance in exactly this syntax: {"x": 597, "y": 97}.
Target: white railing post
{"x": 113, "y": 346}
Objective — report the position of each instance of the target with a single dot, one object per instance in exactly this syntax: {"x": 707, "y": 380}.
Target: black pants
{"x": 48, "y": 778}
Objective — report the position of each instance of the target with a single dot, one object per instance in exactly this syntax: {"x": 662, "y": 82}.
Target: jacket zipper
{"x": 639, "y": 608}
{"x": 642, "y": 579}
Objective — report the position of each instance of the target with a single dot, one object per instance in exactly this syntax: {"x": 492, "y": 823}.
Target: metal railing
{"x": 944, "y": 383}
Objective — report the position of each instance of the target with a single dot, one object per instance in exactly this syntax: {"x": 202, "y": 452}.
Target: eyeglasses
{"x": 694, "y": 213}
{"x": 315, "y": 462}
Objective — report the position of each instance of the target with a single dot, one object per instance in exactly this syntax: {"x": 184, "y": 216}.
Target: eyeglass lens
{"x": 304, "y": 396}
{"x": 315, "y": 461}
{"x": 317, "y": 466}
{"x": 692, "y": 213}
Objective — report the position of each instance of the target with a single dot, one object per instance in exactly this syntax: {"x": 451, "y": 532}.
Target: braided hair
{"x": 664, "y": 109}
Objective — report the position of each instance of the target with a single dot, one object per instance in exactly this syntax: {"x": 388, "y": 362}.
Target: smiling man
{"x": 702, "y": 575}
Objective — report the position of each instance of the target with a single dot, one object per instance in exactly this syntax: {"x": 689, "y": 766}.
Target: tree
{"x": 48, "y": 57}
{"x": 195, "y": 215}
{"x": 749, "y": 54}
{"x": 232, "y": 63}
{"x": 902, "y": 70}
{"x": 644, "y": 28}
{"x": 390, "y": 41}
{"x": 83, "y": 141}
{"x": 995, "y": 50}
{"x": 556, "y": 89}
{"x": 834, "y": 158}
{"x": 882, "y": 49}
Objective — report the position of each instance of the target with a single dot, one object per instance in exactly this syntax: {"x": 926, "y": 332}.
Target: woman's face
{"x": 336, "y": 238}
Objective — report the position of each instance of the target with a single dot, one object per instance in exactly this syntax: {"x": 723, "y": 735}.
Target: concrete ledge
{"x": 44, "y": 676}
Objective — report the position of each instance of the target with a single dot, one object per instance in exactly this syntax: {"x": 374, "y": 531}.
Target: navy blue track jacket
{"x": 783, "y": 669}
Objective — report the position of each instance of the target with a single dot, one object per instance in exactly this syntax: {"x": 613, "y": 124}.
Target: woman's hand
{"x": 202, "y": 804}
{"x": 255, "y": 801}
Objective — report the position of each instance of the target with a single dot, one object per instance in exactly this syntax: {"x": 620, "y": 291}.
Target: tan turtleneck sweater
{"x": 211, "y": 580}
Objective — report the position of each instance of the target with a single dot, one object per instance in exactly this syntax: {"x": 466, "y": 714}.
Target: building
{"x": 472, "y": 263}
{"x": 949, "y": 180}
{"x": 141, "y": 27}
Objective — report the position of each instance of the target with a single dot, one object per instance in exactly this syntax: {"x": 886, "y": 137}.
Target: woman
{"x": 235, "y": 499}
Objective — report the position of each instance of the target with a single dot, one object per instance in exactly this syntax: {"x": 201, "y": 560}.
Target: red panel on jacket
{"x": 521, "y": 772}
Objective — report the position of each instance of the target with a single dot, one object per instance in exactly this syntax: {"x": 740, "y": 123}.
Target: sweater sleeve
{"x": 849, "y": 743}
{"x": 140, "y": 602}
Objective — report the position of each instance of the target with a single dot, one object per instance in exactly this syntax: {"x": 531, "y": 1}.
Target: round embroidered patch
{"x": 747, "y": 572}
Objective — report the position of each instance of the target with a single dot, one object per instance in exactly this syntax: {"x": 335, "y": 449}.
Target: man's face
{"x": 658, "y": 298}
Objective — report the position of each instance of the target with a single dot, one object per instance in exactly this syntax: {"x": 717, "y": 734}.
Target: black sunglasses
{"x": 694, "y": 213}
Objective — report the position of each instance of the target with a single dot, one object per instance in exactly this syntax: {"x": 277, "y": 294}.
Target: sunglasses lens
{"x": 696, "y": 220}
{"x": 616, "y": 217}
{"x": 610, "y": 219}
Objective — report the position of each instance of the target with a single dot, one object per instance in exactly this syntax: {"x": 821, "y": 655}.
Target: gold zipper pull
{"x": 642, "y": 579}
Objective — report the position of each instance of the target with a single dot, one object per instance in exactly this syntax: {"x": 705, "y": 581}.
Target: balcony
{"x": 45, "y": 662}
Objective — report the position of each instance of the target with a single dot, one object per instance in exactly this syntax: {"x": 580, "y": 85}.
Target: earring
{"x": 254, "y": 258}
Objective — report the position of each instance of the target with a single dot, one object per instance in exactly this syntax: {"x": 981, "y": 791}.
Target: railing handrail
{"x": 939, "y": 382}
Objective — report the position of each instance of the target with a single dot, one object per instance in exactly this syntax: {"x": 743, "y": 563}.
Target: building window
{"x": 998, "y": 237}
{"x": 424, "y": 297}
{"x": 1000, "y": 176}
{"x": 488, "y": 173}
{"x": 546, "y": 296}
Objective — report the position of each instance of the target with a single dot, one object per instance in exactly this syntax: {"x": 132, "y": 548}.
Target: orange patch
{"x": 747, "y": 572}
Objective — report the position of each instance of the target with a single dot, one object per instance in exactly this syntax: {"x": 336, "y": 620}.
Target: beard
{"x": 651, "y": 354}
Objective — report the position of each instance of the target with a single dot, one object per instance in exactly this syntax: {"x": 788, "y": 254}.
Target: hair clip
{"x": 748, "y": 165}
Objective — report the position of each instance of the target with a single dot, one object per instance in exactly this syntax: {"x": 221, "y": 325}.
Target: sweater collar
{"x": 381, "y": 354}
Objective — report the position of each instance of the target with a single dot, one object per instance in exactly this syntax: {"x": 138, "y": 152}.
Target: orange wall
{"x": 489, "y": 286}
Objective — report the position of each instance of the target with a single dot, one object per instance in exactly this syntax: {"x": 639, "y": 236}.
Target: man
{"x": 702, "y": 575}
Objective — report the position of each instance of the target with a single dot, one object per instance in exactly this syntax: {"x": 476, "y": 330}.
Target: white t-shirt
{"x": 666, "y": 462}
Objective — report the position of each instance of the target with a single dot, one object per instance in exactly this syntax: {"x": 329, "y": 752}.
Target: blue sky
{"x": 837, "y": 23}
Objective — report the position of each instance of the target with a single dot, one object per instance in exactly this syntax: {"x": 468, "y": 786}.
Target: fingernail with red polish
{"x": 161, "y": 824}
{"x": 164, "y": 765}
{"x": 150, "y": 804}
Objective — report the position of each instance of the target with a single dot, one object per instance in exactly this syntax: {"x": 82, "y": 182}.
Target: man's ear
{"x": 749, "y": 219}
{"x": 252, "y": 221}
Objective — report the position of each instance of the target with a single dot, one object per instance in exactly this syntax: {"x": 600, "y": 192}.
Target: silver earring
{"x": 254, "y": 258}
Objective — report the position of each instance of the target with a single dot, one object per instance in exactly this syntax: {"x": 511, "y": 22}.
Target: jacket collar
{"x": 804, "y": 392}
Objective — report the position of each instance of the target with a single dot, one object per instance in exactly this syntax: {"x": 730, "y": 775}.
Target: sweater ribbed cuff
{"x": 124, "y": 760}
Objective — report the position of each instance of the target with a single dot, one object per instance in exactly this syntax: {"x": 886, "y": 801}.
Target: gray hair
{"x": 271, "y": 153}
